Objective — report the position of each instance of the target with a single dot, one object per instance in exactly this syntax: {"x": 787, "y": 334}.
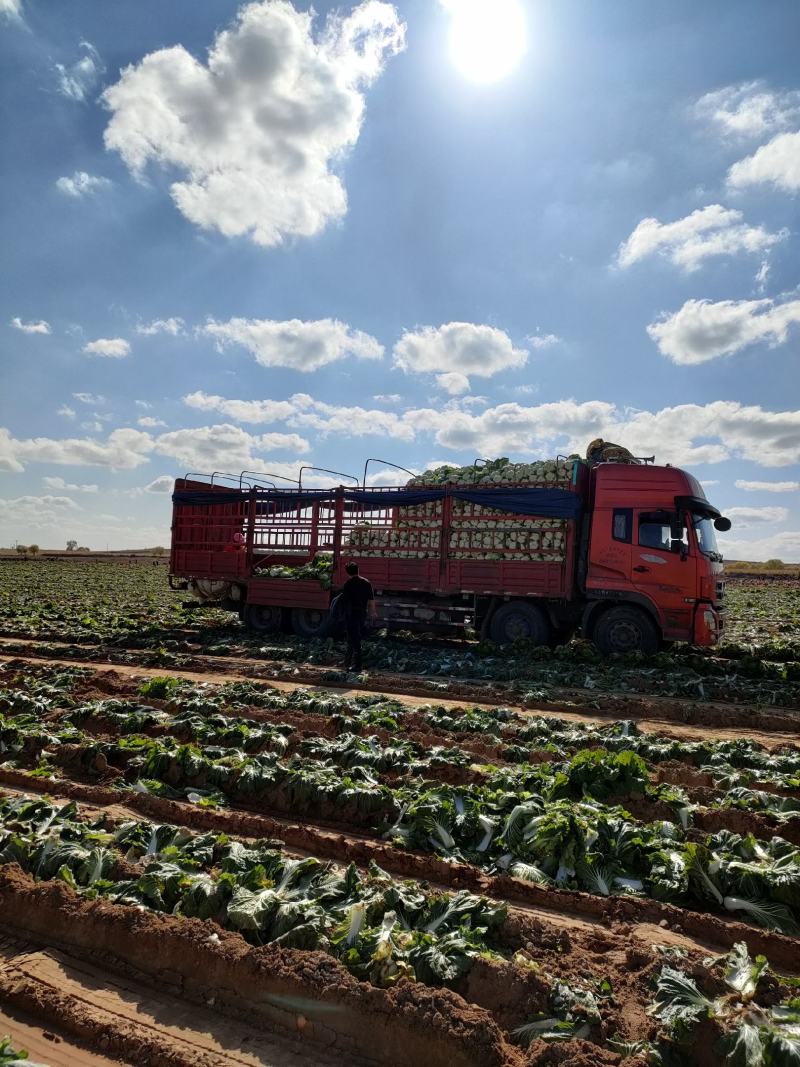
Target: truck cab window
{"x": 655, "y": 530}
{"x": 622, "y": 524}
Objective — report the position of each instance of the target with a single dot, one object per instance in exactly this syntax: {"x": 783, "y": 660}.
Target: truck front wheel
{"x": 262, "y": 618}
{"x": 518, "y": 621}
{"x": 626, "y": 629}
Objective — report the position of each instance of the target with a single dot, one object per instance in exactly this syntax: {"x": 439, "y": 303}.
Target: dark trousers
{"x": 354, "y": 624}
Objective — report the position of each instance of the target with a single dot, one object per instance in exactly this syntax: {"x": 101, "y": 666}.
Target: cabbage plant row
{"x": 379, "y": 927}
{"x": 557, "y": 823}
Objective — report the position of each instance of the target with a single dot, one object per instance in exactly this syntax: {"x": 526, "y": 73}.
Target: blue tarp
{"x": 388, "y": 498}
{"x": 197, "y": 497}
{"x": 549, "y": 503}
{"x": 546, "y": 503}
{"x": 288, "y": 498}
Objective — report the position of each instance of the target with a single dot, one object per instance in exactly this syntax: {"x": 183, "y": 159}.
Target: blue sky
{"x": 235, "y": 236}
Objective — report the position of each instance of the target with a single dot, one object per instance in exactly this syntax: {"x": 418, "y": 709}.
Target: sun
{"x": 488, "y": 38}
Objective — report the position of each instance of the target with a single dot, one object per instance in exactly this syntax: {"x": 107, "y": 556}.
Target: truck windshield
{"x": 706, "y": 536}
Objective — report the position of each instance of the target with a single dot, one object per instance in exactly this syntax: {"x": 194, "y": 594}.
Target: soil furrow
{"x": 127, "y": 1020}
{"x": 272, "y": 989}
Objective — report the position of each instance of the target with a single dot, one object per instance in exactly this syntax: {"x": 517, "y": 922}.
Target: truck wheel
{"x": 517, "y": 621}
{"x": 308, "y": 622}
{"x": 626, "y": 629}
{"x": 262, "y": 618}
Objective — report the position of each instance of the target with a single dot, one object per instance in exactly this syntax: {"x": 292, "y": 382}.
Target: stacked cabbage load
{"x": 476, "y": 532}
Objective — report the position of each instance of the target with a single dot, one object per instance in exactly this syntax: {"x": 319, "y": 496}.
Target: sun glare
{"x": 487, "y": 37}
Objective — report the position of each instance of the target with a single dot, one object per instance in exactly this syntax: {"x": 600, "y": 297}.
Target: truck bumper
{"x": 707, "y": 625}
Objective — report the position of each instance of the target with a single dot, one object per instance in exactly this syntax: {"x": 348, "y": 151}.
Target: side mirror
{"x": 722, "y": 524}
{"x": 676, "y": 528}
{"x": 677, "y": 545}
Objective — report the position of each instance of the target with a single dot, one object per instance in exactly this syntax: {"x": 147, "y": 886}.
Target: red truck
{"x": 623, "y": 552}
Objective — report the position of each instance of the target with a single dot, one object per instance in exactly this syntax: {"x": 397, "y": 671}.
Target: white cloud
{"x": 453, "y": 383}
{"x": 77, "y": 80}
{"x": 546, "y": 340}
{"x": 93, "y": 399}
{"x": 776, "y": 163}
{"x": 149, "y": 423}
{"x": 143, "y": 404}
{"x": 241, "y": 410}
{"x": 767, "y": 487}
{"x": 387, "y": 398}
{"x": 745, "y": 516}
{"x": 303, "y": 346}
{"x": 66, "y": 412}
{"x": 389, "y": 476}
{"x": 784, "y": 546}
{"x": 749, "y": 109}
{"x": 688, "y": 433}
{"x": 92, "y": 426}
{"x": 12, "y": 9}
{"x": 702, "y": 330}
{"x": 462, "y": 348}
{"x": 109, "y": 347}
{"x": 81, "y": 184}
{"x": 761, "y": 276}
{"x": 34, "y": 508}
{"x": 30, "y": 327}
{"x": 301, "y": 410}
{"x": 259, "y": 130}
{"x": 172, "y": 326}
{"x": 162, "y": 484}
{"x": 67, "y": 487}
{"x": 708, "y": 231}
{"x": 708, "y": 483}
{"x": 123, "y": 449}
{"x": 358, "y": 421}
{"x": 224, "y": 447}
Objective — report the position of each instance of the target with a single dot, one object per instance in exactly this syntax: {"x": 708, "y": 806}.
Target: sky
{"x": 263, "y": 236}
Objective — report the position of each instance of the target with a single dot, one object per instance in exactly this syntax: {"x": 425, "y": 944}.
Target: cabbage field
{"x": 468, "y": 855}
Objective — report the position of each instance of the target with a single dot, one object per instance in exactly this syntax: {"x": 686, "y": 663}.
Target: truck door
{"x": 664, "y": 570}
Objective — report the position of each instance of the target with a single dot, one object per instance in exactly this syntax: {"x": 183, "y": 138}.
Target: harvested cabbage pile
{"x": 542, "y": 473}
{"x": 320, "y": 568}
{"x": 476, "y": 532}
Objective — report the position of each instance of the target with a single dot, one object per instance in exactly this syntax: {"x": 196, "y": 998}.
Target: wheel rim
{"x": 518, "y": 627}
{"x": 264, "y": 616}
{"x": 625, "y": 636}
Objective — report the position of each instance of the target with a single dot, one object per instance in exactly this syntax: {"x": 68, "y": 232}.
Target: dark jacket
{"x": 355, "y": 596}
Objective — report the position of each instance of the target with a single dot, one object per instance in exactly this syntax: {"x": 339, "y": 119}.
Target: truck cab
{"x": 653, "y": 569}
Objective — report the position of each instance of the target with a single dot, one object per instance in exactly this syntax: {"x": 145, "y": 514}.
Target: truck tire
{"x": 518, "y": 621}
{"x": 262, "y": 618}
{"x": 308, "y": 622}
{"x": 626, "y": 629}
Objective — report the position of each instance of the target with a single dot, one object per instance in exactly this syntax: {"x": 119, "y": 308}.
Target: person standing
{"x": 357, "y": 595}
